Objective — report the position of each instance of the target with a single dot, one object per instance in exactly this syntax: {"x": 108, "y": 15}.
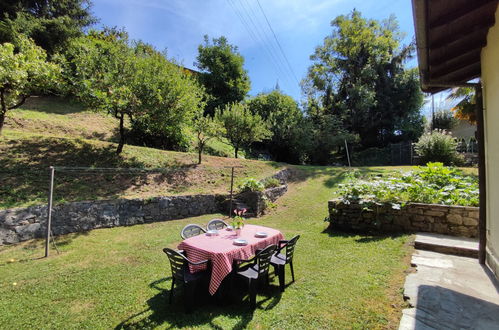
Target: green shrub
{"x": 271, "y": 183}
{"x": 434, "y": 184}
{"x": 438, "y": 147}
{"x": 371, "y": 157}
{"x": 251, "y": 184}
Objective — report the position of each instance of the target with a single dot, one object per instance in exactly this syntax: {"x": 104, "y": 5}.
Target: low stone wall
{"x": 21, "y": 224}
{"x": 414, "y": 217}
{"x": 257, "y": 200}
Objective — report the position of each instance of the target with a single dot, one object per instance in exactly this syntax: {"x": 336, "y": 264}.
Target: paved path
{"x": 450, "y": 292}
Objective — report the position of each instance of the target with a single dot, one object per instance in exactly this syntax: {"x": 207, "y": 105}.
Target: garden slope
{"x": 60, "y": 133}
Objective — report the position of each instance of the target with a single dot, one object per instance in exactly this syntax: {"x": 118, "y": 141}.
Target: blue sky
{"x": 300, "y": 25}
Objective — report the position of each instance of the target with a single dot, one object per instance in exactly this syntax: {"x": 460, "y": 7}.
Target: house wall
{"x": 490, "y": 80}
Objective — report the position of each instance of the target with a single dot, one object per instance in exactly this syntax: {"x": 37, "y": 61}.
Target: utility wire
{"x": 253, "y": 36}
{"x": 277, "y": 40}
{"x": 248, "y": 9}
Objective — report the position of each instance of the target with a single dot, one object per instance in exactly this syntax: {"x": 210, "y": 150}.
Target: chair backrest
{"x": 177, "y": 262}
{"x": 191, "y": 230}
{"x": 216, "y": 224}
{"x": 290, "y": 248}
{"x": 263, "y": 258}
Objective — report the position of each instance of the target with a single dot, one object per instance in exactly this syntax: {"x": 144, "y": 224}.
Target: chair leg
{"x": 252, "y": 293}
{"x": 171, "y": 290}
{"x": 189, "y": 289}
{"x": 292, "y": 270}
{"x": 282, "y": 274}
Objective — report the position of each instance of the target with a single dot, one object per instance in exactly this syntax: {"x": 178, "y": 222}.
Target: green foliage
{"x": 324, "y": 137}
{"x": 371, "y": 157}
{"x": 222, "y": 73}
{"x": 435, "y": 184}
{"x": 101, "y": 69}
{"x": 169, "y": 101}
{"x": 438, "y": 147}
{"x": 444, "y": 120}
{"x": 23, "y": 72}
{"x": 136, "y": 82}
{"x": 465, "y": 109}
{"x": 358, "y": 76}
{"x": 241, "y": 127}
{"x": 51, "y": 24}
{"x": 271, "y": 183}
{"x": 205, "y": 128}
{"x": 251, "y": 184}
{"x": 283, "y": 115}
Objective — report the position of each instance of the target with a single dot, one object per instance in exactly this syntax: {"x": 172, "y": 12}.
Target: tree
{"x": 222, "y": 73}
{"x": 50, "y": 23}
{"x": 169, "y": 100}
{"x": 241, "y": 127}
{"x": 358, "y": 76}
{"x": 23, "y": 72}
{"x": 283, "y": 115}
{"x": 101, "y": 70}
{"x": 465, "y": 109}
{"x": 443, "y": 119}
{"x": 205, "y": 128}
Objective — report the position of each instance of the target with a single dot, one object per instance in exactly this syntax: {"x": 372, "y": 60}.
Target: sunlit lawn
{"x": 119, "y": 277}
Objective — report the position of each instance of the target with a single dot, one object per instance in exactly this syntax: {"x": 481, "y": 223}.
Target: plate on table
{"x": 212, "y": 232}
{"x": 261, "y": 234}
{"x": 240, "y": 242}
{"x": 229, "y": 228}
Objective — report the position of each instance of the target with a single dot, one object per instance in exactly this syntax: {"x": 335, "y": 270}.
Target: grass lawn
{"x": 119, "y": 277}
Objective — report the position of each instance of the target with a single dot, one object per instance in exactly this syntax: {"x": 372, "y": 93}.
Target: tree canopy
{"x": 283, "y": 116}
{"x": 358, "y": 76}
{"x": 241, "y": 127}
{"x": 24, "y": 71}
{"x": 222, "y": 73}
{"x": 50, "y": 23}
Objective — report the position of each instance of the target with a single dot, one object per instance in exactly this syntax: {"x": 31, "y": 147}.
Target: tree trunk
{"x": 200, "y": 151}
{"x": 122, "y": 134}
{"x": 236, "y": 149}
{"x": 2, "y": 120}
{"x": 3, "y": 110}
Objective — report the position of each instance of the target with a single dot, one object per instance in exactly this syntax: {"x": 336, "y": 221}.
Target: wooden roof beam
{"x": 466, "y": 10}
{"x": 452, "y": 52}
{"x": 463, "y": 32}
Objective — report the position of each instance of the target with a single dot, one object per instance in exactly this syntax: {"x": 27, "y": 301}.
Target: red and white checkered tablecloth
{"x": 221, "y": 251}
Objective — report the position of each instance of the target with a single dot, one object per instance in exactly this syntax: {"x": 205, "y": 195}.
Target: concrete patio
{"x": 449, "y": 291}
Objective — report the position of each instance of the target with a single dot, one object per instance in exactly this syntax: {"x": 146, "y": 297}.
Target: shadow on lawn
{"x": 207, "y": 310}
{"x": 362, "y": 237}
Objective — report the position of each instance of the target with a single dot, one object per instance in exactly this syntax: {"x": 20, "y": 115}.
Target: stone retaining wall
{"x": 21, "y": 224}
{"x": 414, "y": 217}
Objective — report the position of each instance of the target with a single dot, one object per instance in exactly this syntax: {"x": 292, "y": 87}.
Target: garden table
{"x": 221, "y": 251}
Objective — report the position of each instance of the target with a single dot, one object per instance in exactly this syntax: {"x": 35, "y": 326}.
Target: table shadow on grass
{"x": 208, "y": 308}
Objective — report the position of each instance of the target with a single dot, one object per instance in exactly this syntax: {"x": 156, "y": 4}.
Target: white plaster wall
{"x": 490, "y": 80}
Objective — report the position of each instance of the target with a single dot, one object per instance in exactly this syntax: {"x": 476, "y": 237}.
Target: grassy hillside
{"x": 58, "y": 132}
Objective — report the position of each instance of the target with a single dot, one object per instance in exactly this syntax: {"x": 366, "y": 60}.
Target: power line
{"x": 264, "y": 37}
{"x": 252, "y": 34}
{"x": 277, "y": 40}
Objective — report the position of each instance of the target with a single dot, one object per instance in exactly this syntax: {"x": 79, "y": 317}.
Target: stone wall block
{"x": 455, "y": 218}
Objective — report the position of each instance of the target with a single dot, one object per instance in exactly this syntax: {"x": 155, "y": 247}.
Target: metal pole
{"x": 432, "y": 113}
{"x": 49, "y": 211}
{"x": 231, "y": 192}
{"x": 348, "y": 154}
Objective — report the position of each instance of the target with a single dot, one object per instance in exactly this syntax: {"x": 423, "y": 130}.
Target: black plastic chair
{"x": 279, "y": 260}
{"x": 255, "y": 269}
{"x": 180, "y": 272}
{"x": 216, "y": 224}
{"x": 191, "y": 230}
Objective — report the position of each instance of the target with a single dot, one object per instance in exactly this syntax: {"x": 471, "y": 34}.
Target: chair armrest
{"x": 198, "y": 263}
